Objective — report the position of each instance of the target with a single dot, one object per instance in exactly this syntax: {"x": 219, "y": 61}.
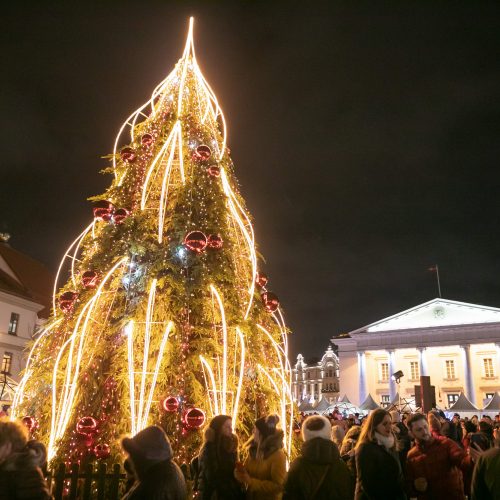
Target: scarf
{"x": 387, "y": 441}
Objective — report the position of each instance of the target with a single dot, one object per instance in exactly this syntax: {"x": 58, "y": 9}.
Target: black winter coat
{"x": 21, "y": 477}
{"x": 216, "y": 470}
{"x": 379, "y": 473}
{"x": 319, "y": 455}
{"x": 156, "y": 480}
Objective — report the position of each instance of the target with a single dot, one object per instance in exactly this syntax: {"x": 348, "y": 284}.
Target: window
{"x": 452, "y": 398}
{"x": 488, "y": 367}
{"x": 7, "y": 363}
{"x": 14, "y": 323}
{"x": 489, "y": 395}
{"x": 385, "y": 401}
{"x": 384, "y": 372}
{"x": 414, "y": 370}
{"x": 450, "y": 369}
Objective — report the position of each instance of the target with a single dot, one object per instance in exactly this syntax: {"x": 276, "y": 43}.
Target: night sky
{"x": 365, "y": 139}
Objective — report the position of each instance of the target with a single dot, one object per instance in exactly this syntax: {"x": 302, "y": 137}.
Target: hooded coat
{"x": 216, "y": 464}
{"x": 267, "y": 469}
{"x": 158, "y": 476}
{"x": 21, "y": 476}
{"x": 320, "y": 459}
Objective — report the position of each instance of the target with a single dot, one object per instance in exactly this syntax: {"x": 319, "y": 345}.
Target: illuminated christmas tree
{"x": 164, "y": 317}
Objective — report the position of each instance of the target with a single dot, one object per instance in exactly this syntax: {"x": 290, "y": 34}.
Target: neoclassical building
{"x": 25, "y": 291}
{"x": 455, "y": 343}
{"x": 316, "y": 380}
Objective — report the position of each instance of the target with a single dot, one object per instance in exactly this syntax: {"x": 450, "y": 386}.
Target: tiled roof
{"x": 35, "y": 279}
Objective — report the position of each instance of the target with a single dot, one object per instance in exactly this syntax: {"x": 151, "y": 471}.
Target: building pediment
{"x": 435, "y": 314}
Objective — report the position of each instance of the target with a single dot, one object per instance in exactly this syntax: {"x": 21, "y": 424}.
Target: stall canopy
{"x": 493, "y": 404}
{"x": 322, "y": 405}
{"x": 345, "y": 399}
{"x": 305, "y": 406}
{"x": 462, "y": 404}
{"x": 369, "y": 404}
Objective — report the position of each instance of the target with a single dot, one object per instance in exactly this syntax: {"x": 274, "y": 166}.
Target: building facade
{"x": 455, "y": 343}
{"x": 24, "y": 305}
{"x": 314, "y": 381}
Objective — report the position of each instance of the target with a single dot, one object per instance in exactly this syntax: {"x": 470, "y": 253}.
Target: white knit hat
{"x": 316, "y": 426}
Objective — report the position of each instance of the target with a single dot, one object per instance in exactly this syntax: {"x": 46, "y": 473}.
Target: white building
{"x": 317, "y": 380}
{"x": 25, "y": 290}
{"x": 455, "y": 343}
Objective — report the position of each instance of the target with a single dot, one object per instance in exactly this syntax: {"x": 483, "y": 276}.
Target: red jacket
{"x": 439, "y": 462}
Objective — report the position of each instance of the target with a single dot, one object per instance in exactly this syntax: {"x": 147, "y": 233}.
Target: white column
{"x": 362, "y": 376}
{"x": 422, "y": 361}
{"x": 469, "y": 382}
{"x": 392, "y": 383}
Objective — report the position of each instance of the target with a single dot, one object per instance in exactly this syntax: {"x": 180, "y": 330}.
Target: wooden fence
{"x": 90, "y": 483}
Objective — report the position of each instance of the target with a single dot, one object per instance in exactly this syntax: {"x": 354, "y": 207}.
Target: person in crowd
{"x": 456, "y": 429}
{"x": 217, "y": 460}
{"x": 347, "y": 451}
{"x": 484, "y": 437}
{"x": 338, "y": 434}
{"x": 21, "y": 463}
{"x": 434, "y": 464}
{"x": 318, "y": 473}
{"x": 157, "y": 475}
{"x": 434, "y": 424}
{"x": 379, "y": 473}
{"x": 468, "y": 429}
{"x": 401, "y": 432}
{"x": 475, "y": 420}
{"x": 486, "y": 477}
{"x": 264, "y": 471}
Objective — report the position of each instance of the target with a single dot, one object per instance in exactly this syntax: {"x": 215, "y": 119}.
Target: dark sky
{"x": 365, "y": 139}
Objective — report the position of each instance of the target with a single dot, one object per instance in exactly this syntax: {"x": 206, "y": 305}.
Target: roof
{"x": 322, "y": 405}
{"x": 305, "y": 406}
{"x": 434, "y": 313}
{"x": 369, "y": 404}
{"x": 34, "y": 280}
{"x": 345, "y": 399}
{"x": 462, "y": 404}
{"x": 493, "y": 404}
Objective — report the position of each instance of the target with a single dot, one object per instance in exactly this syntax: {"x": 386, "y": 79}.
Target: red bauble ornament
{"x": 86, "y": 440}
{"x": 90, "y": 279}
{"x": 128, "y": 155}
{"x": 170, "y": 404}
{"x": 261, "y": 279}
{"x": 102, "y": 450}
{"x": 120, "y": 214}
{"x": 103, "y": 210}
{"x": 67, "y": 301}
{"x": 214, "y": 241}
{"x": 87, "y": 425}
{"x": 202, "y": 153}
{"x": 194, "y": 418}
{"x": 30, "y": 422}
{"x": 147, "y": 140}
{"x": 196, "y": 241}
{"x": 271, "y": 301}
{"x": 213, "y": 170}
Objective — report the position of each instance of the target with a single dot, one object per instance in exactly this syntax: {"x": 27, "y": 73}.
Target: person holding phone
{"x": 263, "y": 474}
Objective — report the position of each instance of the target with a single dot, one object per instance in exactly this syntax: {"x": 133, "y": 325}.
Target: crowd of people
{"x": 385, "y": 456}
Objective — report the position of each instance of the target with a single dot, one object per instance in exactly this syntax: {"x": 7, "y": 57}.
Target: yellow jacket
{"x": 268, "y": 470}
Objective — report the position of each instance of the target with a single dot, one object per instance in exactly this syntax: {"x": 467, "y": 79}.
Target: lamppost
{"x": 397, "y": 376}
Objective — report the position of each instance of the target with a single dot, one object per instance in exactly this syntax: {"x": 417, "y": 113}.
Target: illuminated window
{"x": 384, "y": 372}
{"x": 450, "y": 369}
{"x": 488, "y": 367}
{"x": 452, "y": 399}
{"x": 6, "y": 363}
{"x": 414, "y": 370}
{"x": 13, "y": 324}
{"x": 385, "y": 401}
{"x": 489, "y": 395}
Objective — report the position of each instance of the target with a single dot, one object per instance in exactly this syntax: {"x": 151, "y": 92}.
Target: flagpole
{"x": 439, "y": 284}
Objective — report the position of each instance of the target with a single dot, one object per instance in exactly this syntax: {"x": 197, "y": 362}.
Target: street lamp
{"x": 397, "y": 376}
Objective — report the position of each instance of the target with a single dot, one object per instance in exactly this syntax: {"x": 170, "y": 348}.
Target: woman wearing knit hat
{"x": 264, "y": 472}
{"x": 319, "y": 473}
{"x": 216, "y": 462}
